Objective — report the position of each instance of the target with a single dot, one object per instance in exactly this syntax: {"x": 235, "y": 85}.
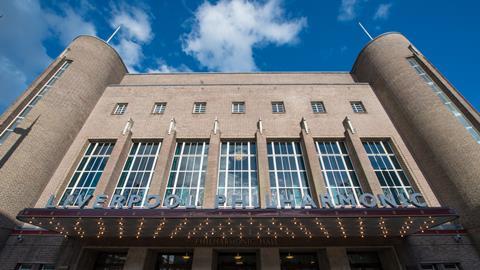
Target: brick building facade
{"x": 284, "y": 146}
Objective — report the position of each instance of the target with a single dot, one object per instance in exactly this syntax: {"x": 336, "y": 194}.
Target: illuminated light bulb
{"x": 289, "y": 256}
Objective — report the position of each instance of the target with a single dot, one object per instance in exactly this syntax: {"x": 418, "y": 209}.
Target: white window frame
{"x": 389, "y": 156}
{"x": 199, "y": 107}
{"x": 278, "y": 107}
{"x": 81, "y": 171}
{"x": 297, "y": 171}
{"x": 318, "y": 107}
{"x": 201, "y": 172}
{"x": 159, "y": 107}
{"x": 238, "y": 107}
{"x": 120, "y": 108}
{"x": 447, "y": 102}
{"x": 151, "y": 171}
{"x": 227, "y": 171}
{"x": 358, "y": 107}
{"x": 343, "y": 157}
{"x": 38, "y": 96}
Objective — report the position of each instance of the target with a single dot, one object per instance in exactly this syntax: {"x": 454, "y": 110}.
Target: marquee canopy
{"x": 237, "y": 223}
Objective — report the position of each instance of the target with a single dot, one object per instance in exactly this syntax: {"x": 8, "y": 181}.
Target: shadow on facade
{"x": 23, "y": 132}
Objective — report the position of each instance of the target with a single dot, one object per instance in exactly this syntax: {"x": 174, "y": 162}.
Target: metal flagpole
{"x": 115, "y": 32}
{"x": 363, "y": 28}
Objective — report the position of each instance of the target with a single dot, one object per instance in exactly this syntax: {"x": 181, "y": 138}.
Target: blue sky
{"x": 238, "y": 35}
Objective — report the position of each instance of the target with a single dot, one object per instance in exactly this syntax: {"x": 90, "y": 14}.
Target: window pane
{"x": 187, "y": 173}
{"x": 237, "y": 166}
{"x": 445, "y": 99}
{"x": 357, "y": 107}
{"x": 159, "y": 107}
{"x": 288, "y": 178}
{"x": 390, "y": 174}
{"x": 88, "y": 171}
{"x": 337, "y": 169}
{"x": 278, "y": 107}
{"x": 199, "y": 107}
{"x": 140, "y": 173}
{"x": 238, "y": 107}
{"x": 318, "y": 107}
{"x": 120, "y": 108}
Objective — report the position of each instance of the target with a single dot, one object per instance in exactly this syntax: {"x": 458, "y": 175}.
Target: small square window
{"x": 120, "y": 108}
{"x": 238, "y": 107}
{"x": 278, "y": 107}
{"x": 318, "y": 107}
{"x": 199, "y": 107}
{"x": 357, "y": 107}
{"x": 159, "y": 107}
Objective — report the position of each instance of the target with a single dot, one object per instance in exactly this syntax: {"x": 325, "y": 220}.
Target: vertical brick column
{"x": 262, "y": 167}
{"x": 269, "y": 258}
{"x": 135, "y": 258}
{"x": 159, "y": 181}
{"x": 212, "y": 171}
{"x": 317, "y": 182}
{"x": 202, "y": 259}
{"x": 337, "y": 258}
{"x": 368, "y": 179}
{"x": 113, "y": 169}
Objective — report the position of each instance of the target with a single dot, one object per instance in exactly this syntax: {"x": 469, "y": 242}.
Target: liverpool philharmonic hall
{"x": 375, "y": 168}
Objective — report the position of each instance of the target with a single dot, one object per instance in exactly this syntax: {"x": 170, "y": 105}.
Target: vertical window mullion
{"x": 151, "y": 171}
{"x": 200, "y": 173}
{"x": 300, "y": 184}
{"x": 394, "y": 169}
{"x": 342, "y": 155}
{"x": 180, "y": 158}
{"x": 250, "y": 198}
{"x": 227, "y": 171}
{"x": 275, "y": 171}
{"x": 83, "y": 169}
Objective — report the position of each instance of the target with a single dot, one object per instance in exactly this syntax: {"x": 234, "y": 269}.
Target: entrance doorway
{"x": 237, "y": 261}
{"x": 364, "y": 261}
{"x": 299, "y": 261}
{"x": 110, "y": 261}
{"x": 174, "y": 261}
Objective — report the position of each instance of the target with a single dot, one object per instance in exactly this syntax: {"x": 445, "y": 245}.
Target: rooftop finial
{"x": 114, "y": 33}
{"x": 364, "y": 30}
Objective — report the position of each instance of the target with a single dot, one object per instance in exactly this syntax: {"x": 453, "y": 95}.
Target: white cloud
{"x": 383, "y": 11}
{"x": 23, "y": 55}
{"x": 25, "y": 26}
{"x": 163, "y": 67}
{"x": 131, "y": 53}
{"x": 135, "y": 31}
{"x": 224, "y": 34}
{"x": 70, "y": 26}
{"x": 348, "y": 10}
{"x": 135, "y": 23}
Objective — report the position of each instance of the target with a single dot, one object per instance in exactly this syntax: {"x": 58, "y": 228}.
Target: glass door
{"x": 110, "y": 261}
{"x": 174, "y": 261}
{"x": 299, "y": 261}
{"x": 364, "y": 261}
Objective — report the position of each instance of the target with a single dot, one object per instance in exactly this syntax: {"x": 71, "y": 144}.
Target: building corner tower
{"x": 439, "y": 126}
{"x": 37, "y": 130}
